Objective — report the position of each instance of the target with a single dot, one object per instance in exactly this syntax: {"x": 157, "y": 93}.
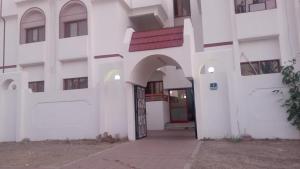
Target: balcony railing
{"x": 156, "y": 97}
{"x": 245, "y": 6}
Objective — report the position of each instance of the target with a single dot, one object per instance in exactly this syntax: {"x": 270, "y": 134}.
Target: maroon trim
{"x": 218, "y": 44}
{"x": 108, "y": 56}
{"x": 8, "y": 67}
{"x": 156, "y": 39}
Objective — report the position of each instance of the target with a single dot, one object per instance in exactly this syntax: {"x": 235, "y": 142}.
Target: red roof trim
{"x": 8, "y": 67}
{"x": 108, "y": 56}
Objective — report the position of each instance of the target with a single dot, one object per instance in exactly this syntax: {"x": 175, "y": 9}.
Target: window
{"x": 35, "y": 34}
{"x": 73, "y": 20}
{"x": 182, "y": 8}
{"x": 250, "y": 68}
{"x": 244, "y": 6}
{"x": 32, "y": 26}
{"x": 155, "y": 87}
{"x": 260, "y": 67}
{"x": 75, "y": 28}
{"x": 76, "y": 83}
{"x": 37, "y": 86}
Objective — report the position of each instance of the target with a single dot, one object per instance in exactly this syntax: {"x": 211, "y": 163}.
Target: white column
{"x": 130, "y": 111}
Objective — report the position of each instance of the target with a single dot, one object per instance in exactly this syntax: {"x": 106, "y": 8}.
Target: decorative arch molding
{"x": 8, "y": 84}
{"x": 73, "y": 12}
{"x": 33, "y": 18}
{"x": 143, "y": 70}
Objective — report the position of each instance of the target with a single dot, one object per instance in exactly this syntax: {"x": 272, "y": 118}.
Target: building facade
{"x": 79, "y": 68}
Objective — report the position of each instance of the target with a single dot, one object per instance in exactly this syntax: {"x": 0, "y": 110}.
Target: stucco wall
{"x": 8, "y": 113}
{"x": 256, "y": 50}
{"x": 260, "y": 113}
{"x": 61, "y": 115}
{"x": 157, "y": 115}
{"x": 216, "y": 21}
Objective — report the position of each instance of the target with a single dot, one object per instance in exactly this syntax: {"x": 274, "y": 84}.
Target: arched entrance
{"x": 178, "y": 88}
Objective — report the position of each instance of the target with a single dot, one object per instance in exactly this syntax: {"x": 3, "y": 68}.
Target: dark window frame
{"x": 239, "y": 8}
{"x": 39, "y": 38}
{"x": 260, "y": 71}
{"x": 67, "y": 28}
{"x": 37, "y": 86}
{"x": 176, "y": 10}
{"x": 151, "y": 87}
{"x": 76, "y": 83}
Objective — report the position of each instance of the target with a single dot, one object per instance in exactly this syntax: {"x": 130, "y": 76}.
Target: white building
{"x": 212, "y": 62}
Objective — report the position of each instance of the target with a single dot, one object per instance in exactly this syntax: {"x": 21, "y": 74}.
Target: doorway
{"x": 182, "y": 105}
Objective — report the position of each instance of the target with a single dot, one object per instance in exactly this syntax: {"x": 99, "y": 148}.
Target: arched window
{"x": 73, "y": 19}
{"x": 32, "y": 26}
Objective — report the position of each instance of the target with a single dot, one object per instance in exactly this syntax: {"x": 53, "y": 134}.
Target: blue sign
{"x": 213, "y": 86}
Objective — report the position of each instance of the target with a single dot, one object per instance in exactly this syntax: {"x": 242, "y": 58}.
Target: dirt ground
{"x": 46, "y": 155}
{"x": 248, "y": 155}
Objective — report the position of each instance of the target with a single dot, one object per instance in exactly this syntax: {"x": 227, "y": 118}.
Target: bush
{"x": 291, "y": 79}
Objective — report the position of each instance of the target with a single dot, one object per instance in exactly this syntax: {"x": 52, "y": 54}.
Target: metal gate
{"x": 140, "y": 112}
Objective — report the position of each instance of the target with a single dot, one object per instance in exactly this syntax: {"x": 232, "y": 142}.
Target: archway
{"x": 176, "y": 87}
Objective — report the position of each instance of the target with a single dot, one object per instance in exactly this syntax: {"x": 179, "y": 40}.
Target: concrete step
{"x": 179, "y": 126}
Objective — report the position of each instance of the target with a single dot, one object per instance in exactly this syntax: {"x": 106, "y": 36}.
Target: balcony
{"x": 156, "y": 97}
{"x": 245, "y": 6}
{"x": 74, "y": 48}
{"x": 147, "y": 16}
{"x": 265, "y": 24}
{"x": 32, "y": 53}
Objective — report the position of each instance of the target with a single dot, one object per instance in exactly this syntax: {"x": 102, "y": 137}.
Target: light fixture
{"x": 211, "y": 69}
{"x": 184, "y": 96}
{"x": 117, "y": 77}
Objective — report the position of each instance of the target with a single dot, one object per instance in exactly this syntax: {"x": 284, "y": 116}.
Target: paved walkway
{"x": 161, "y": 150}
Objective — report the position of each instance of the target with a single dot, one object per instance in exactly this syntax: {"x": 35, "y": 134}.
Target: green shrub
{"x": 291, "y": 79}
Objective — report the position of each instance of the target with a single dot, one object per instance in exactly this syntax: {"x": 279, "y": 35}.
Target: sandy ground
{"x": 211, "y": 155}
{"x": 46, "y": 155}
{"x": 248, "y": 155}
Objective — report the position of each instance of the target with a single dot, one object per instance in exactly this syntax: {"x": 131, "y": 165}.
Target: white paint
{"x": 216, "y": 21}
{"x": 158, "y": 115}
{"x": 267, "y": 21}
{"x": 262, "y": 49}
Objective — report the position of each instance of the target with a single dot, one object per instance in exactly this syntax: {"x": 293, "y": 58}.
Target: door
{"x": 140, "y": 112}
{"x": 178, "y": 106}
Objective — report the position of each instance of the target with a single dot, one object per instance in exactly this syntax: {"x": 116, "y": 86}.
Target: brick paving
{"x": 161, "y": 150}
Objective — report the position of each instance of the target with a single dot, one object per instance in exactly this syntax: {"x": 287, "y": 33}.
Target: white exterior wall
{"x": 61, "y": 115}
{"x": 216, "y": 21}
{"x": 262, "y": 49}
{"x": 158, "y": 115}
{"x": 241, "y": 105}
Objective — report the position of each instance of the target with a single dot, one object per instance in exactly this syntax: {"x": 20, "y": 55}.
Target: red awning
{"x": 156, "y": 39}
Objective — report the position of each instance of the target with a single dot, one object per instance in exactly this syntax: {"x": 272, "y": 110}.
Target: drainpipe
{"x": 4, "y": 38}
